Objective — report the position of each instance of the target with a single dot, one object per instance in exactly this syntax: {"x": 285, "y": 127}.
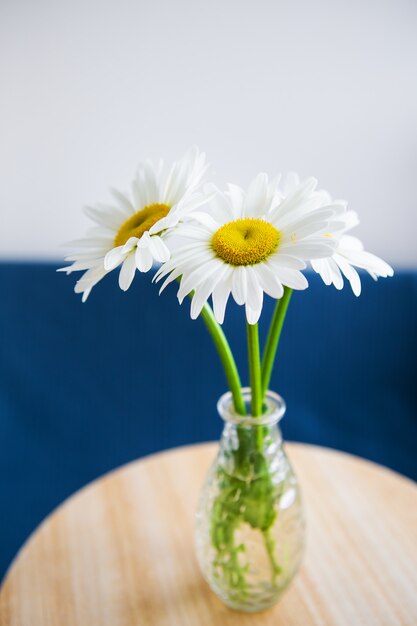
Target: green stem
{"x": 270, "y": 549}
{"x": 226, "y": 357}
{"x": 255, "y": 369}
{"x": 273, "y": 338}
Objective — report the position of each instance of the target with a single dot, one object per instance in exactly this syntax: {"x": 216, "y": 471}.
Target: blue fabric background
{"x": 87, "y": 387}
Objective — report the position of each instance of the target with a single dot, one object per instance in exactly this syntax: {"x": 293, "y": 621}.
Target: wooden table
{"x": 120, "y": 552}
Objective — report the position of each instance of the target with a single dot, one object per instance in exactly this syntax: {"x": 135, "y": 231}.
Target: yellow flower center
{"x": 140, "y": 222}
{"x": 246, "y": 241}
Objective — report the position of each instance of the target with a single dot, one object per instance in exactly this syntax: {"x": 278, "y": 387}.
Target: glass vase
{"x": 249, "y": 523}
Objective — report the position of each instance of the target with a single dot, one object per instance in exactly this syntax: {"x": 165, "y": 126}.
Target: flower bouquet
{"x": 216, "y": 243}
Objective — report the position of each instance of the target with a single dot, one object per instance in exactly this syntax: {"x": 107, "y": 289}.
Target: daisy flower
{"x": 348, "y": 254}
{"x": 130, "y": 232}
{"x": 250, "y": 243}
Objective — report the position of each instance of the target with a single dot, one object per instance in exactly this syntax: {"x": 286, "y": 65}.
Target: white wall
{"x": 89, "y": 88}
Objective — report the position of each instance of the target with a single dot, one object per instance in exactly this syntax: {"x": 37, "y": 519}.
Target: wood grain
{"x": 120, "y": 552}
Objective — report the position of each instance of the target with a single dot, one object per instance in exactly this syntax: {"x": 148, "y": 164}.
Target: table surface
{"x": 120, "y": 552}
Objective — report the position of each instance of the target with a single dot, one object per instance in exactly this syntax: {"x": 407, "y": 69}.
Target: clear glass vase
{"x": 249, "y": 523}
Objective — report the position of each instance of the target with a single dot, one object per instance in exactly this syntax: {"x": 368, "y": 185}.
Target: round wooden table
{"x": 120, "y": 552}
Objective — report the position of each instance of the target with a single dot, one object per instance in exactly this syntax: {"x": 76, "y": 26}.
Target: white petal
{"x": 88, "y": 280}
{"x": 101, "y": 231}
{"x": 290, "y": 183}
{"x": 221, "y": 295}
{"x": 138, "y": 198}
{"x": 90, "y": 242}
{"x": 144, "y": 241}
{"x": 221, "y": 206}
{"x": 159, "y": 250}
{"x": 127, "y": 272}
{"x": 189, "y": 204}
{"x": 314, "y": 228}
{"x": 351, "y": 243}
{"x": 84, "y": 256}
{"x": 336, "y": 276}
{"x": 321, "y": 266}
{"x": 351, "y": 219}
{"x": 268, "y": 281}
{"x": 237, "y": 198}
{"x": 239, "y": 285}
{"x": 113, "y": 258}
{"x": 123, "y": 201}
{"x": 350, "y": 273}
{"x": 163, "y": 224}
{"x": 206, "y": 220}
{"x": 367, "y": 261}
{"x": 146, "y": 188}
{"x": 111, "y": 218}
{"x": 252, "y": 315}
{"x": 185, "y": 176}
{"x": 285, "y": 260}
{"x": 176, "y": 273}
{"x": 143, "y": 259}
{"x": 329, "y": 271}
{"x": 193, "y": 231}
{"x": 292, "y": 203}
{"x": 254, "y": 298}
{"x": 309, "y": 211}
{"x": 193, "y": 254}
{"x": 309, "y": 249}
{"x": 204, "y": 291}
{"x": 130, "y": 244}
{"x": 77, "y": 266}
{"x": 290, "y": 278}
{"x": 198, "y": 275}
{"x": 256, "y": 198}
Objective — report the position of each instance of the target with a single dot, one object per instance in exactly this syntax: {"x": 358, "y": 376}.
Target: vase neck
{"x": 274, "y": 409}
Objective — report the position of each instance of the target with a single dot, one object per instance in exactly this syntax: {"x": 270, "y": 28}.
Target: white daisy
{"x": 131, "y": 232}
{"x": 348, "y": 254}
{"x": 248, "y": 243}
